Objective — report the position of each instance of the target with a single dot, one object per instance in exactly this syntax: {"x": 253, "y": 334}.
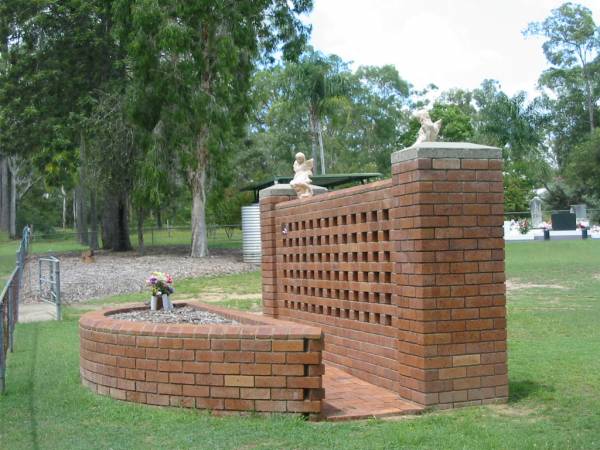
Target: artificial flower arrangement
{"x": 161, "y": 286}
{"x": 583, "y": 224}
{"x": 524, "y": 226}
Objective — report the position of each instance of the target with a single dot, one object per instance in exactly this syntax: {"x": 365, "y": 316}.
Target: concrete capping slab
{"x": 443, "y": 150}
{"x": 280, "y": 190}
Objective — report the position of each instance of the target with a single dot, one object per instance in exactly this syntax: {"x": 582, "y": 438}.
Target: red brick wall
{"x": 404, "y": 276}
{"x": 334, "y": 270}
{"x": 450, "y": 276}
{"x": 268, "y": 239}
{"x": 264, "y": 365}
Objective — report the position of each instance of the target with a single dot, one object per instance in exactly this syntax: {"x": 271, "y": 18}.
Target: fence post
{"x": 10, "y": 315}
{"x": 56, "y": 267}
{"x": 40, "y": 275}
{"x": 2, "y": 354}
{"x": 20, "y": 264}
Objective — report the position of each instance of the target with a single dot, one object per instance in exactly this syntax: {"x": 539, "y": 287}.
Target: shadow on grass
{"x": 30, "y": 387}
{"x": 520, "y": 390}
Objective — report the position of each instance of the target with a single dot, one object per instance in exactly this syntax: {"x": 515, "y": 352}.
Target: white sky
{"x": 451, "y": 43}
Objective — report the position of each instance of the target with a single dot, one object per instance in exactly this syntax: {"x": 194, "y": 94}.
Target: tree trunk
{"x": 312, "y": 120}
{"x": 75, "y": 222}
{"x": 107, "y": 227}
{"x": 13, "y": 204}
{"x": 115, "y": 222}
{"x": 140, "y": 231}
{"x": 590, "y": 105}
{"x": 93, "y": 221}
{"x": 82, "y": 222}
{"x": 158, "y": 219}
{"x": 63, "y": 193}
{"x": 588, "y": 90}
{"x": 4, "y": 195}
{"x": 321, "y": 149}
{"x": 123, "y": 241}
{"x": 198, "y": 185}
{"x": 82, "y": 226}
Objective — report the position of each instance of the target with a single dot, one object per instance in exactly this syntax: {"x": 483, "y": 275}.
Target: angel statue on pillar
{"x": 429, "y": 129}
{"x": 302, "y": 173}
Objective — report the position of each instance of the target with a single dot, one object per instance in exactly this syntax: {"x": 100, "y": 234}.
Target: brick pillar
{"x": 268, "y": 198}
{"x": 449, "y": 274}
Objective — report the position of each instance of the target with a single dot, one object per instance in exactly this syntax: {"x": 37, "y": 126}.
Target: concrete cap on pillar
{"x": 280, "y": 190}
{"x": 437, "y": 150}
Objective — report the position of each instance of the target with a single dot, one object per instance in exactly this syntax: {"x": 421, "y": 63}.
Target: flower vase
{"x": 153, "y": 301}
{"x": 167, "y": 305}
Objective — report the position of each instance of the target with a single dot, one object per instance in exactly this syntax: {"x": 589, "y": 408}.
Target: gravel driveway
{"x": 124, "y": 273}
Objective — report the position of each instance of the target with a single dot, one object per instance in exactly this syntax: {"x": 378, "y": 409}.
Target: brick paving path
{"x": 349, "y": 398}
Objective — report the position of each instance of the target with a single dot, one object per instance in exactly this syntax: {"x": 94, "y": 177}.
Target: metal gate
{"x": 49, "y": 274}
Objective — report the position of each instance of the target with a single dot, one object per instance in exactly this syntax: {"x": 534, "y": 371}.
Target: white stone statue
{"x": 302, "y": 173}
{"x": 429, "y": 130}
{"x": 535, "y": 207}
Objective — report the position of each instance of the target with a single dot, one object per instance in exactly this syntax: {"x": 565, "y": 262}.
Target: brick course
{"x": 261, "y": 365}
{"x": 404, "y": 276}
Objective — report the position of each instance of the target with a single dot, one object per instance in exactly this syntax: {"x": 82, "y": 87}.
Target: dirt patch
{"x": 515, "y": 411}
{"x": 125, "y": 273}
{"x": 516, "y": 285}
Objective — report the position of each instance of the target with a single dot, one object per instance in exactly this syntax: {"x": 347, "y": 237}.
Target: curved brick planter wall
{"x": 263, "y": 365}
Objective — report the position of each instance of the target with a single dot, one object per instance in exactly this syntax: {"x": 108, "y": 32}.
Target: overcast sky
{"x": 451, "y": 43}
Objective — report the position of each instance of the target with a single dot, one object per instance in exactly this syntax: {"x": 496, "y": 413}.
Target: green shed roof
{"x": 329, "y": 181}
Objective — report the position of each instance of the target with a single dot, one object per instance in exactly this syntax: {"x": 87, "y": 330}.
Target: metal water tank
{"x": 251, "y": 233}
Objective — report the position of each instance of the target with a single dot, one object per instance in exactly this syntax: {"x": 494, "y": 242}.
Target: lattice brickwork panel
{"x": 335, "y": 268}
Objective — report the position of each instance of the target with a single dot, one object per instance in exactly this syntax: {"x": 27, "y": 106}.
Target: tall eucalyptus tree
{"x": 191, "y": 64}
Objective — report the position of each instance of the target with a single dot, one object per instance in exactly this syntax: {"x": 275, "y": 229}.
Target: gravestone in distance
{"x": 563, "y": 221}
{"x": 580, "y": 211}
{"x": 535, "y": 207}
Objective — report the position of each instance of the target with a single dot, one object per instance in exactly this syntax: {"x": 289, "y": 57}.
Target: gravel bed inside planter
{"x": 181, "y": 314}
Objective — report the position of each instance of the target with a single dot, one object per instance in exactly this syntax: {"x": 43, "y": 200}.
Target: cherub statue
{"x": 429, "y": 129}
{"x": 302, "y": 173}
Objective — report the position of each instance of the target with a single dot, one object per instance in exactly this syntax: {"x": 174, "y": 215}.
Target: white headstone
{"x": 536, "y": 211}
{"x": 580, "y": 211}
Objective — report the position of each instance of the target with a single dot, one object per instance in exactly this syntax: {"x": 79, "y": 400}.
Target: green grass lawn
{"x": 66, "y": 241}
{"x": 554, "y": 368}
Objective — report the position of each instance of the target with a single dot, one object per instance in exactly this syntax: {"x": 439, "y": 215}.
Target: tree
{"x": 572, "y": 43}
{"x": 583, "y": 167}
{"x": 455, "y": 108}
{"x": 111, "y": 139}
{"x": 360, "y": 129}
{"x": 60, "y": 54}
{"x": 276, "y": 128}
{"x": 379, "y": 118}
{"x": 191, "y": 62}
{"x": 517, "y": 127}
{"x": 317, "y": 81}
{"x": 565, "y": 105}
